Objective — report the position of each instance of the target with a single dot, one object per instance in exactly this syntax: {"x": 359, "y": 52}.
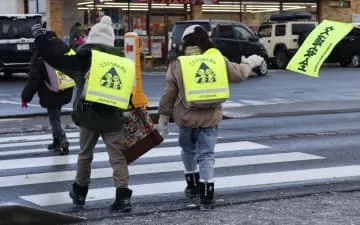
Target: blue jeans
{"x": 198, "y": 149}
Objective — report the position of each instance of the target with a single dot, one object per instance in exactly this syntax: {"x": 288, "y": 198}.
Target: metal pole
{"x": 94, "y": 12}
{"x": 148, "y": 13}
{"x": 318, "y": 11}
{"x": 281, "y": 6}
{"x": 128, "y": 13}
{"x": 37, "y": 6}
{"x": 241, "y": 13}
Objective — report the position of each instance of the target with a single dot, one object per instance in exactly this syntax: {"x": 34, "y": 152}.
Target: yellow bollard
{"x": 132, "y": 51}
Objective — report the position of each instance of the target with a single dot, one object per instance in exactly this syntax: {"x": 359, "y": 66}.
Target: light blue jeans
{"x": 198, "y": 146}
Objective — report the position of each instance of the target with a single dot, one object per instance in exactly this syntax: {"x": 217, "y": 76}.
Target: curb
{"x": 43, "y": 114}
{"x": 294, "y": 113}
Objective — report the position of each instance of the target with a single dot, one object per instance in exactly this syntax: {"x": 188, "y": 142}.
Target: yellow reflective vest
{"x": 110, "y": 80}
{"x": 58, "y": 80}
{"x": 205, "y": 77}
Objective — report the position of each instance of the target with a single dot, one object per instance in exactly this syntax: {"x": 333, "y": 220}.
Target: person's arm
{"x": 171, "y": 91}
{"x": 32, "y": 84}
{"x": 238, "y": 72}
{"x": 168, "y": 99}
{"x": 53, "y": 50}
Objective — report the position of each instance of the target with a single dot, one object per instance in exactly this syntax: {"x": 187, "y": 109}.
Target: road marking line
{"x": 33, "y": 143}
{"x": 249, "y": 180}
{"x": 40, "y": 137}
{"x": 103, "y": 156}
{"x": 38, "y": 178}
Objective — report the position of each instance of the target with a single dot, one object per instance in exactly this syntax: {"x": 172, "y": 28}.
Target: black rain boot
{"x": 122, "y": 201}
{"x": 55, "y": 146}
{"x": 78, "y": 194}
{"x": 64, "y": 145}
{"x": 207, "y": 201}
{"x": 192, "y": 188}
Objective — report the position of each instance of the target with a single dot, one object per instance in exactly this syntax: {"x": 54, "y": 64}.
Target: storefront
{"x": 153, "y": 20}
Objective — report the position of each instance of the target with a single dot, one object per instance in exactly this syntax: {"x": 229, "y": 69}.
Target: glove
{"x": 37, "y": 30}
{"x": 253, "y": 61}
{"x": 163, "y": 125}
{"x": 24, "y": 105}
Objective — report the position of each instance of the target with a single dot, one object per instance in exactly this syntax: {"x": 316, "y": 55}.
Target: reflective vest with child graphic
{"x": 110, "y": 80}
{"x": 205, "y": 79}
{"x": 58, "y": 81}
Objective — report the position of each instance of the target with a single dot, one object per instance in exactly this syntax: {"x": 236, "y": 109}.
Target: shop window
{"x": 280, "y": 30}
{"x": 265, "y": 31}
{"x": 240, "y": 33}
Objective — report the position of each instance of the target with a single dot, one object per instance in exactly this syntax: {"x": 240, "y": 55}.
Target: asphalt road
{"x": 280, "y": 87}
{"x": 259, "y": 159}
{"x": 254, "y": 154}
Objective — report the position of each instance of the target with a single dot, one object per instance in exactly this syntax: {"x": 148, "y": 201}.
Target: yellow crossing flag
{"x": 317, "y": 47}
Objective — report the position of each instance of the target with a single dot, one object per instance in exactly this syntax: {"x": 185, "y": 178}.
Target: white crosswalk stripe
{"x": 19, "y": 168}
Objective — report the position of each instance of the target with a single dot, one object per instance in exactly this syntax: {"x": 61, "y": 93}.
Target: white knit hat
{"x": 102, "y": 33}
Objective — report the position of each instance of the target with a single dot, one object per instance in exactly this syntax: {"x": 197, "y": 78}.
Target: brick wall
{"x": 196, "y": 12}
{"x": 338, "y": 14}
{"x": 54, "y": 14}
{"x": 355, "y": 5}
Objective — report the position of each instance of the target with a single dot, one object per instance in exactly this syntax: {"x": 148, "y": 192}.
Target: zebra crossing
{"x": 27, "y": 168}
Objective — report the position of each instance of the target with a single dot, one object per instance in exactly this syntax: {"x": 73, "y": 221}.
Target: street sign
{"x": 129, "y": 43}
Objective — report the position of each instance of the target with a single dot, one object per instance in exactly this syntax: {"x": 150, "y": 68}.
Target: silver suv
{"x": 283, "y": 35}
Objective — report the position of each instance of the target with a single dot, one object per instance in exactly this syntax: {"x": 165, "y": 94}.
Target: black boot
{"x": 64, "y": 145}
{"x": 192, "y": 188}
{"x": 207, "y": 201}
{"x": 122, "y": 201}
{"x": 78, "y": 194}
{"x": 55, "y": 146}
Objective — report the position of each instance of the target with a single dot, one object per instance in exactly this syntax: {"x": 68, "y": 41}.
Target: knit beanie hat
{"x": 102, "y": 33}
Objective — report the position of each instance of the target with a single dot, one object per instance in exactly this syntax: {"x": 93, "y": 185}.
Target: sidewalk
{"x": 327, "y": 205}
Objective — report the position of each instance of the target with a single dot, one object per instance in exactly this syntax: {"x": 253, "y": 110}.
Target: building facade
{"x": 153, "y": 20}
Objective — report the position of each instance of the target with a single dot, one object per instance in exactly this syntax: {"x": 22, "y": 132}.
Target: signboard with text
{"x": 156, "y": 50}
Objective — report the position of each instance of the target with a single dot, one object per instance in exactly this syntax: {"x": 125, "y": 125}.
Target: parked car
{"x": 347, "y": 52}
{"x": 16, "y": 42}
{"x": 283, "y": 35}
{"x": 232, "y": 38}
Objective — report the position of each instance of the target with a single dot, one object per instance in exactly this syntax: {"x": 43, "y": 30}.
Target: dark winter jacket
{"x": 36, "y": 83}
{"x": 86, "y": 114}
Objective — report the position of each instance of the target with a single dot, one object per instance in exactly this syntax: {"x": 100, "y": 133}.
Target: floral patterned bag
{"x": 139, "y": 134}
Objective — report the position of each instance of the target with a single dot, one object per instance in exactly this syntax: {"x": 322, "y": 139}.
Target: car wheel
{"x": 263, "y": 69}
{"x": 355, "y": 60}
{"x": 281, "y": 59}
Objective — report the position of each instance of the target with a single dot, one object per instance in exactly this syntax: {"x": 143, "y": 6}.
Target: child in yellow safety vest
{"x": 196, "y": 85}
{"x": 51, "y": 99}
